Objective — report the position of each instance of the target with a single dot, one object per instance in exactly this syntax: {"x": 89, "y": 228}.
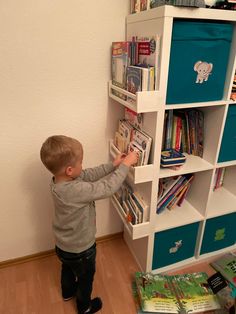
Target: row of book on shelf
{"x": 184, "y": 131}
{"x": 129, "y": 137}
{"x": 133, "y": 205}
{"x": 134, "y": 64}
{"x": 172, "y": 192}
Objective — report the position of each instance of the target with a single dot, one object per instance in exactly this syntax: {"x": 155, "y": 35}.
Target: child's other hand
{"x": 118, "y": 160}
{"x": 131, "y": 159}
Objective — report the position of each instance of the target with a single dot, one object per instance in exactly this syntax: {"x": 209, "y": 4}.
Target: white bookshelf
{"x": 202, "y": 203}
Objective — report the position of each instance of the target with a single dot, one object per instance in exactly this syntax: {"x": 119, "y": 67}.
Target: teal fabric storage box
{"x": 198, "y": 61}
{"x": 219, "y": 233}
{"x": 228, "y": 143}
{"x": 174, "y": 245}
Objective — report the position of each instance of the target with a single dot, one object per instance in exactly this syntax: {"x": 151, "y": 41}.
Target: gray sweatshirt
{"x": 74, "y": 222}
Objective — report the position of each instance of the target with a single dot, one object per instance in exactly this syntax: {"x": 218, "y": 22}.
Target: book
{"x": 143, "y": 207}
{"x": 168, "y": 196}
{"x": 135, "y": 147}
{"x": 172, "y": 155}
{"x": 169, "y": 126}
{"x": 173, "y": 192}
{"x": 135, "y": 6}
{"x": 144, "y": 5}
{"x": 126, "y": 131}
{"x": 188, "y": 293}
{"x": 180, "y": 194}
{"x": 120, "y": 59}
{"x": 226, "y": 265}
{"x": 148, "y": 52}
{"x": 133, "y": 205}
{"x": 172, "y": 164}
{"x": 120, "y": 142}
{"x": 165, "y": 185}
{"x": 134, "y": 80}
{"x": 144, "y": 142}
{"x": 134, "y": 118}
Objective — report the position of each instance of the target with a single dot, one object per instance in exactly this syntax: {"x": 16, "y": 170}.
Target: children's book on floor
{"x": 226, "y": 265}
{"x": 188, "y": 293}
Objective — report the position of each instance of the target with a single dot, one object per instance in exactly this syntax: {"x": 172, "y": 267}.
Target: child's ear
{"x": 68, "y": 171}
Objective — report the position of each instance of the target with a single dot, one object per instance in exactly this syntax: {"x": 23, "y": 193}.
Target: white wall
{"x": 54, "y": 69}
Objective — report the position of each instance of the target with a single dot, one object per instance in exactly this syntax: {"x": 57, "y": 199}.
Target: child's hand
{"x": 118, "y": 160}
{"x": 131, "y": 159}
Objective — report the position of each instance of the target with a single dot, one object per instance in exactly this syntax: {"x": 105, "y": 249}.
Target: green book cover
{"x": 188, "y": 293}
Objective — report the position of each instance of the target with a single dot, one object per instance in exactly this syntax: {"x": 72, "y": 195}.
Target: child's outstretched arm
{"x": 90, "y": 191}
{"x": 96, "y": 173}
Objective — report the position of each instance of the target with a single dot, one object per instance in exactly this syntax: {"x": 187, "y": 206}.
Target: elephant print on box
{"x": 204, "y": 70}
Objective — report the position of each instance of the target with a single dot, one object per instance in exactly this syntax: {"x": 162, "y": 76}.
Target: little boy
{"x": 74, "y": 191}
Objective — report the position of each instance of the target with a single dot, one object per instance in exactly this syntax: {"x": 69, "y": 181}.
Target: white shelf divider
{"x": 135, "y": 231}
{"x": 146, "y": 101}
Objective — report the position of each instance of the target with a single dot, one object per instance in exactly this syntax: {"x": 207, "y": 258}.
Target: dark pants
{"x": 77, "y": 275}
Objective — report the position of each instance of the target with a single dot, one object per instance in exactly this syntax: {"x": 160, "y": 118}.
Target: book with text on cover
{"x": 226, "y": 265}
{"x": 120, "y": 60}
{"x": 188, "y": 293}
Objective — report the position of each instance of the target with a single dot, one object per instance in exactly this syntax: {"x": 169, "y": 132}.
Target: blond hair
{"x": 59, "y": 151}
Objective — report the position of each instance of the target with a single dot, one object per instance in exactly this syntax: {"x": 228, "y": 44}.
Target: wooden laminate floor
{"x": 34, "y": 287}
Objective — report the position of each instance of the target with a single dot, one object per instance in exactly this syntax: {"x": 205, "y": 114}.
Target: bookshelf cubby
{"x": 153, "y": 242}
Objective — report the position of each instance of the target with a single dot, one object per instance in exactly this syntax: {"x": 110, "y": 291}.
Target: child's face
{"x": 76, "y": 170}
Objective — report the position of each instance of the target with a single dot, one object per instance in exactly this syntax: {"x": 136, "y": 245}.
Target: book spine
{"x": 169, "y": 129}
{"x": 178, "y": 134}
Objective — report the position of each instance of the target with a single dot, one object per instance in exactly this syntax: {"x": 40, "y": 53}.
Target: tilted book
{"x": 188, "y": 293}
{"x": 226, "y": 265}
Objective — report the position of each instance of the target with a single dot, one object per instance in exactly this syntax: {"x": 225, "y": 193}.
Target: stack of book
{"x": 133, "y": 205}
{"x": 129, "y": 138}
{"x": 187, "y": 293}
{"x": 134, "y": 64}
{"x": 172, "y": 191}
{"x": 184, "y": 131}
{"x": 171, "y": 157}
{"x": 218, "y": 178}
